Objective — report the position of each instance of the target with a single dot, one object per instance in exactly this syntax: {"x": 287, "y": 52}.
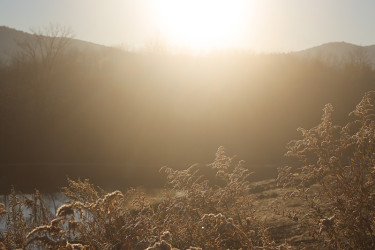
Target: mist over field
{"x": 117, "y": 117}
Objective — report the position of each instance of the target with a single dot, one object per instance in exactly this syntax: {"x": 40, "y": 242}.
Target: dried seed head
{"x": 2, "y": 209}
{"x": 64, "y": 210}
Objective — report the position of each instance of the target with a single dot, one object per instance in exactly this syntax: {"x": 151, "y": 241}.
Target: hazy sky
{"x": 264, "y": 25}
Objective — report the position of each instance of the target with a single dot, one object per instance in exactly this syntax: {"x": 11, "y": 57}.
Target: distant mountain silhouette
{"x": 340, "y": 53}
{"x": 335, "y": 53}
{"x": 11, "y": 38}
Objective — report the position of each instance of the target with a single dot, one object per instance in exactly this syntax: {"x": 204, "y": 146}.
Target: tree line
{"x": 116, "y": 117}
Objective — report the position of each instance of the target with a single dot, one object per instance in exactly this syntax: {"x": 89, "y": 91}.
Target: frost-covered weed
{"x": 336, "y": 178}
{"x": 214, "y": 212}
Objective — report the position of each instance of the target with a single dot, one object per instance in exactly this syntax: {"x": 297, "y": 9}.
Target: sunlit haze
{"x": 187, "y": 124}
{"x": 269, "y": 25}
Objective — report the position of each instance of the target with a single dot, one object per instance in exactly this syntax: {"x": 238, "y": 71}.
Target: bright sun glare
{"x": 201, "y": 24}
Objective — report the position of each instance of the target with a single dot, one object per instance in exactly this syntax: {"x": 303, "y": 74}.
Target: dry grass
{"x": 336, "y": 178}
{"x": 196, "y": 211}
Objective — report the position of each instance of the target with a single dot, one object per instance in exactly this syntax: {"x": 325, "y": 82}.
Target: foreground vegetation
{"x": 202, "y": 215}
{"x": 340, "y": 162}
{"x": 215, "y": 207}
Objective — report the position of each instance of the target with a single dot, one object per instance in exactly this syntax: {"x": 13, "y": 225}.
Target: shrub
{"x": 195, "y": 213}
{"x": 336, "y": 177}
{"x": 17, "y": 225}
{"x": 213, "y": 216}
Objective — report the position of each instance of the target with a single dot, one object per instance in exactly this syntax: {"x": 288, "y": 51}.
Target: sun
{"x": 201, "y": 24}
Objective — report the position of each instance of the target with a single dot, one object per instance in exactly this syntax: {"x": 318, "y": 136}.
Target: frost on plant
{"x": 336, "y": 177}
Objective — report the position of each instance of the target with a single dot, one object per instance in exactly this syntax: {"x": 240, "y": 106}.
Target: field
{"x": 98, "y": 148}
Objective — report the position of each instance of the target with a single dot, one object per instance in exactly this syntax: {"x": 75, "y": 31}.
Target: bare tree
{"x": 45, "y": 47}
{"x": 39, "y": 58}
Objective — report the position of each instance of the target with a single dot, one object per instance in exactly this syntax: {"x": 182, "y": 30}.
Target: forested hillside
{"x": 113, "y": 115}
